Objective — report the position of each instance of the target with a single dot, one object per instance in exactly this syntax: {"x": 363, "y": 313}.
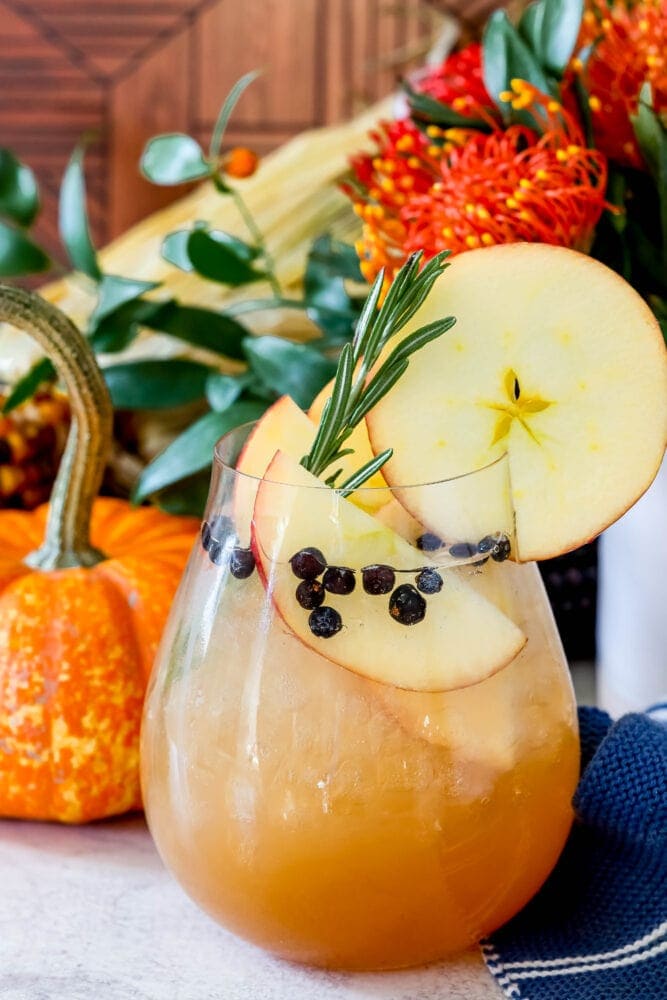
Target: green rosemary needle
{"x": 354, "y": 394}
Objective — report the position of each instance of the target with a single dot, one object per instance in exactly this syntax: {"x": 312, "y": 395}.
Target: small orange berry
{"x": 241, "y": 162}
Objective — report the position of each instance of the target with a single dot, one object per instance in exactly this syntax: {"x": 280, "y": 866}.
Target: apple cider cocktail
{"x": 360, "y": 743}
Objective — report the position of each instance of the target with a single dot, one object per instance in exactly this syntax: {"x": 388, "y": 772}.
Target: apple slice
{"x": 554, "y": 360}
{"x": 461, "y": 639}
{"x": 374, "y": 494}
{"x": 283, "y": 425}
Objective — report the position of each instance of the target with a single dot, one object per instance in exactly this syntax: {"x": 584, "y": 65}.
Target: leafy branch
{"x": 126, "y": 306}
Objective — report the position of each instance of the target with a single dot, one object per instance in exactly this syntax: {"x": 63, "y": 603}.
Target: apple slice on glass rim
{"x": 554, "y": 360}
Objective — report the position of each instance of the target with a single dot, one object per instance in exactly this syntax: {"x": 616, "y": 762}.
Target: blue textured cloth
{"x": 597, "y": 930}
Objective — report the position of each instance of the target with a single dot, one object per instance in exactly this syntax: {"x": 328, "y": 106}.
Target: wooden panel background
{"x": 126, "y": 69}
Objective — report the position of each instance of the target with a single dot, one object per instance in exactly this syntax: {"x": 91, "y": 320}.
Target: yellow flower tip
{"x": 387, "y": 185}
{"x": 470, "y": 209}
{"x": 577, "y": 64}
{"x": 399, "y": 199}
{"x": 525, "y": 216}
{"x": 472, "y": 241}
{"x": 506, "y": 95}
{"x": 375, "y": 193}
{"x": 511, "y": 203}
{"x": 414, "y": 162}
{"x": 594, "y": 103}
{"x": 367, "y": 270}
{"x": 433, "y": 131}
{"x": 605, "y": 24}
{"x": 487, "y": 239}
{"x": 448, "y": 233}
{"x": 589, "y": 18}
{"x": 407, "y": 182}
{"x": 459, "y": 103}
{"x": 405, "y": 143}
{"x": 542, "y": 175}
{"x": 241, "y": 162}
{"x": 561, "y": 155}
{"x": 572, "y": 149}
{"x": 522, "y": 101}
{"x": 456, "y": 135}
{"x": 653, "y": 61}
{"x": 359, "y": 209}
{"x": 525, "y": 183}
{"x": 434, "y": 151}
{"x": 643, "y": 26}
{"x": 376, "y": 212}
{"x": 483, "y": 213}
{"x": 377, "y": 163}
{"x": 553, "y": 107}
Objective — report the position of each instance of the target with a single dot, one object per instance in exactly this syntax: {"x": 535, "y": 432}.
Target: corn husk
{"x": 293, "y": 197}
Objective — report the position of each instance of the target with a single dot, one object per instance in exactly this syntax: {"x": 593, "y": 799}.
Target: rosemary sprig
{"x": 354, "y": 395}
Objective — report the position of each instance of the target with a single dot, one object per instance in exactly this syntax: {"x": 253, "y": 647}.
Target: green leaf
{"x": 73, "y": 217}
{"x": 203, "y": 327}
{"x": 530, "y": 26}
{"x": 328, "y": 303}
{"x": 19, "y": 196}
{"x": 175, "y": 246}
{"x": 25, "y": 388}
{"x": 559, "y": 32}
{"x": 220, "y": 257}
{"x": 227, "y": 108}
{"x": 114, "y": 292}
{"x": 434, "y": 112}
{"x": 652, "y": 138}
{"x": 507, "y": 57}
{"x": 223, "y": 390}
{"x": 173, "y": 158}
{"x": 117, "y": 330}
{"x": 156, "y": 385}
{"x": 174, "y": 249}
{"x": 186, "y": 498}
{"x": 18, "y": 254}
{"x": 329, "y": 258}
{"x": 192, "y": 451}
{"x": 289, "y": 369}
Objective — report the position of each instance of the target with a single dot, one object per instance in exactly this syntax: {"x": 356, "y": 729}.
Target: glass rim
{"x": 221, "y": 462}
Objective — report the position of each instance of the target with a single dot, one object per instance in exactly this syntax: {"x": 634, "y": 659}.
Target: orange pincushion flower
{"x": 475, "y": 189}
{"x": 458, "y": 82}
{"x": 629, "y": 47}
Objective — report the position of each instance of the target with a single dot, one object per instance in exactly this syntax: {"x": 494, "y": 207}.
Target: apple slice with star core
{"x": 554, "y": 360}
{"x": 460, "y": 638}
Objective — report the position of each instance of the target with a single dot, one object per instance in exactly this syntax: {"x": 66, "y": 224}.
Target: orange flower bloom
{"x": 458, "y": 82}
{"x": 460, "y": 189}
{"x": 629, "y": 41}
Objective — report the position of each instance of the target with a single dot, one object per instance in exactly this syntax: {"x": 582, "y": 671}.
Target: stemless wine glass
{"x": 332, "y": 818}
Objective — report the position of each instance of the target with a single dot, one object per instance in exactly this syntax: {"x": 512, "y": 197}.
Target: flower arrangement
{"x": 551, "y": 130}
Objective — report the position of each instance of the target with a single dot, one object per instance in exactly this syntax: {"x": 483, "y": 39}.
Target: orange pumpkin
{"x": 85, "y": 588}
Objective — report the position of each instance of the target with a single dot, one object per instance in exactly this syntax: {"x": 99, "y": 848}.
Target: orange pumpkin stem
{"x": 67, "y": 539}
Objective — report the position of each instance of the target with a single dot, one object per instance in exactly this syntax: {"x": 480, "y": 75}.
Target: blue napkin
{"x": 597, "y": 930}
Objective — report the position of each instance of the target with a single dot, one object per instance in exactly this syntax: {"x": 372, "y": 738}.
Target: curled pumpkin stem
{"x": 67, "y": 539}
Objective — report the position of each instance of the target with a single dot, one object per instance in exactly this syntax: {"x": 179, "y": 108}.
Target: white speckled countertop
{"x": 90, "y": 913}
